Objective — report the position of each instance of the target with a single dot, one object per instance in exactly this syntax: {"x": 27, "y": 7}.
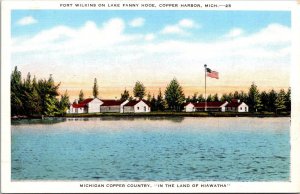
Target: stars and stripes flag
{"x": 212, "y": 74}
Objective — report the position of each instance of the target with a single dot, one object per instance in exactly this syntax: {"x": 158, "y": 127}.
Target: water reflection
{"x": 152, "y": 148}
{"x": 55, "y": 120}
{"x": 129, "y": 118}
{"x": 45, "y": 121}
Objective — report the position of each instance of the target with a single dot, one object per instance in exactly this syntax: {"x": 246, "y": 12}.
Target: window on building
{"x": 241, "y": 108}
{"x": 138, "y": 108}
{"x": 245, "y": 108}
{"x": 145, "y": 108}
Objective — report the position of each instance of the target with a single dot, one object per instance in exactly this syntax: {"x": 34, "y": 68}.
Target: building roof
{"x": 234, "y": 104}
{"x": 208, "y": 105}
{"x": 134, "y": 102}
{"x": 186, "y": 103}
{"x": 83, "y": 103}
{"x": 112, "y": 102}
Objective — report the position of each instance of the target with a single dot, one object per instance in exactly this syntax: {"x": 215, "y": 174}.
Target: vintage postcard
{"x": 150, "y": 96}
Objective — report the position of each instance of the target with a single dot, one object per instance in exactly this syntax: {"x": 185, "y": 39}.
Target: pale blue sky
{"x": 213, "y": 23}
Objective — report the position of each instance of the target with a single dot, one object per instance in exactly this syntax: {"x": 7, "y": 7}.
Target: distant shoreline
{"x": 164, "y": 114}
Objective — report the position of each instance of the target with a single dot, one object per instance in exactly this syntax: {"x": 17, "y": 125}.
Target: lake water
{"x": 152, "y": 149}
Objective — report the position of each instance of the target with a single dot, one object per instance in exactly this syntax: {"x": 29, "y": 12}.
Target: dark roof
{"x": 233, "y": 104}
{"x": 208, "y": 105}
{"x": 83, "y": 103}
{"x": 134, "y": 102}
{"x": 186, "y": 103}
{"x": 112, "y": 102}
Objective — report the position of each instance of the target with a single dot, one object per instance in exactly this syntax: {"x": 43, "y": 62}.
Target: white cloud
{"x": 107, "y": 48}
{"x": 85, "y": 39}
{"x": 235, "y": 32}
{"x": 187, "y": 23}
{"x": 173, "y": 30}
{"x": 27, "y": 21}
{"x": 149, "y": 37}
{"x": 111, "y": 37}
{"x": 137, "y": 22}
{"x": 179, "y": 28}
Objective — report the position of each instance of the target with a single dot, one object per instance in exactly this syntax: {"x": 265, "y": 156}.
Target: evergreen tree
{"x": 16, "y": 91}
{"x": 174, "y": 95}
{"x": 194, "y": 98}
{"x": 224, "y": 98}
{"x": 81, "y": 96}
{"x": 254, "y": 98}
{"x": 227, "y": 97}
{"x": 230, "y": 97}
{"x": 27, "y": 97}
{"x": 264, "y": 98}
{"x": 215, "y": 98}
{"x": 95, "y": 89}
{"x": 243, "y": 96}
{"x": 148, "y": 97}
{"x": 125, "y": 95}
{"x": 35, "y": 102}
{"x": 31, "y": 97}
{"x": 160, "y": 101}
{"x": 48, "y": 92}
{"x": 51, "y": 105}
{"x": 280, "y": 101}
{"x": 272, "y": 96}
{"x": 34, "y": 83}
{"x": 188, "y": 99}
{"x": 236, "y": 95}
{"x": 64, "y": 103}
{"x": 139, "y": 90}
{"x": 288, "y": 100}
{"x": 200, "y": 98}
{"x": 209, "y": 98}
{"x": 153, "y": 103}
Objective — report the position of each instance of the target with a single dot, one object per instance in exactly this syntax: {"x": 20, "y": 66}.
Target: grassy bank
{"x": 182, "y": 114}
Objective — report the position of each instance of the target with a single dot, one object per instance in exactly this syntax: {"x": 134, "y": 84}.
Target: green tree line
{"x": 174, "y": 98}
{"x": 32, "y": 97}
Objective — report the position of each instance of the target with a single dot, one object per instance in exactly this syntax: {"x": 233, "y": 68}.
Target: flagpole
{"x": 205, "y": 108}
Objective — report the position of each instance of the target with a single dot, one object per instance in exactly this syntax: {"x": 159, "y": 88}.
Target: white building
{"x": 137, "y": 106}
{"x": 95, "y": 105}
{"x": 112, "y": 105}
{"x": 122, "y": 106}
{"x": 90, "y": 105}
{"x": 237, "y": 106}
{"x": 210, "y": 106}
{"x": 189, "y": 107}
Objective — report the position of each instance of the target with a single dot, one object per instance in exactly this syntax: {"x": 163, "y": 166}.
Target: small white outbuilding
{"x": 137, "y": 106}
{"x": 237, "y": 106}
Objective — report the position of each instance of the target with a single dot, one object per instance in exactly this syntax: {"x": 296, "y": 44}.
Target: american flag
{"x": 212, "y": 74}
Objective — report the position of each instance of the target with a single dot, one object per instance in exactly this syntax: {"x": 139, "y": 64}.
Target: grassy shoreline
{"x": 162, "y": 114}
{"x": 181, "y": 114}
